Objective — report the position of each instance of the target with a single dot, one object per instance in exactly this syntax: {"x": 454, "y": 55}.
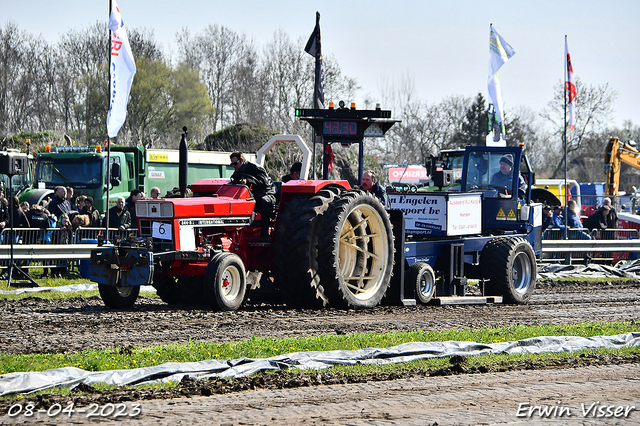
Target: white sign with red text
{"x": 410, "y": 174}
{"x": 439, "y": 214}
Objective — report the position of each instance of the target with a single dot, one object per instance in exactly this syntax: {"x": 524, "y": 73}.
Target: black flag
{"x": 313, "y": 48}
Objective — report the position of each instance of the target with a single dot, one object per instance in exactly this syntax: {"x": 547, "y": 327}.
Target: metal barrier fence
{"x": 600, "y": 245}
{"x": 65, "y": 251}
{"x": 61, "y": 250}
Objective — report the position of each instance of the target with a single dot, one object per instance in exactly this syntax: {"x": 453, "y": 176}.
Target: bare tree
{"x": 424, "y": 130}
{"x": 288, "y": 74}
{"x": 214, "y": 53}
{"x": 12, "y": 43}
{"x": 85, "y": 55}
{"x": 593, "y": 113}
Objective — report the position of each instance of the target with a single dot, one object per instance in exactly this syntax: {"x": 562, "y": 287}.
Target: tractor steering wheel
{"x": 500, "y": 189}
{"x": 239, "y": 178}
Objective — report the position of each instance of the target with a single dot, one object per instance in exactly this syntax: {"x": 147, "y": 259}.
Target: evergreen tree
{"x": 474, "y": 127}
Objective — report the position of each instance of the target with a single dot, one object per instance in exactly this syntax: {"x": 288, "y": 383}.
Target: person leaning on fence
{"x": 612, "y": 216}
{"x": 38, "y": 218}
{"x": 79, "y": 221}
{"x": 19, "y": 218}
{"x": 130, "y": 206}
{"x": 59, "y": 205}
{"x": 91, "y": 212}
{"x": 119, "y": 217}
{"x": 597, "y": 220}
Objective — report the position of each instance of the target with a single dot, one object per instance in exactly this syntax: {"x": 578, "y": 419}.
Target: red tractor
{"x": 204, "y": 246}
{"x": 330, "y": 245}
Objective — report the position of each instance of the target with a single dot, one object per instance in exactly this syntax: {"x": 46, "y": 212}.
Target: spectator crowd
{"x": 63, "y": 212}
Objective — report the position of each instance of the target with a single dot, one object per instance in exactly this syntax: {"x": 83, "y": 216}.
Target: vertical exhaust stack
{"x": 183, "y": 166}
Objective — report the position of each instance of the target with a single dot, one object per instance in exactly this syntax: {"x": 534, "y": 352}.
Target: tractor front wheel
{"x": 225, "y": 282}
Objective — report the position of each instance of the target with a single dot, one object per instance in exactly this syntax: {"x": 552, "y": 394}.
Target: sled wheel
{"x": 421, "y": 277}
{"x": 355, "y": 251}
{"x": 118, "y": 297}
{"x": 295, "y": 247}
{"x": 225, "y": 282}
{"x": 510, "y": 265}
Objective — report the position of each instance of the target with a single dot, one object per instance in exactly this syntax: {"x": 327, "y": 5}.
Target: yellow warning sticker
{"x": 511, "y": 215}
{"x": 501, "y": 215}
{"x": 159, "y": 158}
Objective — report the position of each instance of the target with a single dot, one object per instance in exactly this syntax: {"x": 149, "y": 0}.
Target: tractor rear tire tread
{"x": 295, "y": 248}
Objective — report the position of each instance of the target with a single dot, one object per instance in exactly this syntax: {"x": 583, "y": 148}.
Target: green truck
{"x": 85, "y": 170}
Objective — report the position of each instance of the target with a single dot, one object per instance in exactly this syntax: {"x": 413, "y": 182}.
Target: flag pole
{"x": 315, "y": 97}
{"x": 564, "y": 92}
{"x": 314, "y": 48}
{"x": 106, "y": 213}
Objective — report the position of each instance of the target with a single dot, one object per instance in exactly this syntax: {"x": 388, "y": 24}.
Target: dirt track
{"x": 36, "y": 325}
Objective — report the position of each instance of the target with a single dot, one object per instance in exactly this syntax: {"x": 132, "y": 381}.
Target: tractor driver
{"x": 503, "y": 177}
{"x": 260, "y": 185}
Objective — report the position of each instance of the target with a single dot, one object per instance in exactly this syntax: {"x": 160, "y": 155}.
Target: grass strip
{"x": 264, "y": 347}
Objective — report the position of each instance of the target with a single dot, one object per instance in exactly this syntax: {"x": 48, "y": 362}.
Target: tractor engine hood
{"x": 231, "y": 200}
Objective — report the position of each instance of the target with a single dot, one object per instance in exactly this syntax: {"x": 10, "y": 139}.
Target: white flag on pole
{"x": 122, "y": 68}
{"x": 499, "y": 52}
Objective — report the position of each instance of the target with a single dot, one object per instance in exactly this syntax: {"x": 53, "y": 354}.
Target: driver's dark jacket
{"x": 261, "y": 184}
{"x": 500, "y": 179}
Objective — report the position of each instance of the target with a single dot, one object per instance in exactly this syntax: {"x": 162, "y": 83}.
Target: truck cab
{"x": 85, "y": 170}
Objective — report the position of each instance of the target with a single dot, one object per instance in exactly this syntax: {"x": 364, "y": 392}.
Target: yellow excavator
{"x": 616, "y": 154}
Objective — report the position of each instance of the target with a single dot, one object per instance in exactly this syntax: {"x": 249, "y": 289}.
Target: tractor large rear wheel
{"x": 355, "y": 251}
{"x": 510, "y": 265}
{"x": 295, "y": 247}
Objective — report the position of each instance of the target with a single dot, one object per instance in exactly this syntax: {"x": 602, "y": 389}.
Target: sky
{"x": 441, "y": 46}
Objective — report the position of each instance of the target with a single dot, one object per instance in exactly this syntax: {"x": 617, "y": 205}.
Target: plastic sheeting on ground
{"x": 70, "y": 377}
{"x": 623, "y": 269}
{"x": 66, "y": 289}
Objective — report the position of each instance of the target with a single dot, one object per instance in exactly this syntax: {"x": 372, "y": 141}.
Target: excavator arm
{"x": 618, "y": 153}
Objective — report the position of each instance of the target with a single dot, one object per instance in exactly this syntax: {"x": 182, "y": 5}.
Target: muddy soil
{"x": 36, "y": 325}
